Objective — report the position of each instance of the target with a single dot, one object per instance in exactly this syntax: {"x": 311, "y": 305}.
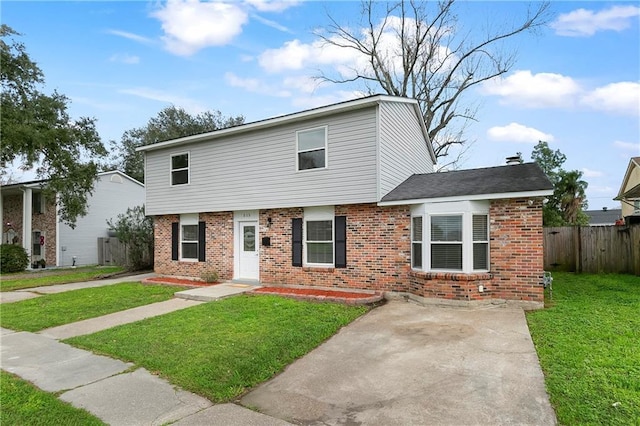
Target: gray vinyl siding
{"x": 257, "y": 170}
{"x": 109, "y": 199}
{"x": 403, "y": 150}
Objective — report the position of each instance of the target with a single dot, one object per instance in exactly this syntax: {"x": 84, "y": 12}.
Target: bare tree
{"x": 417, "y": 49}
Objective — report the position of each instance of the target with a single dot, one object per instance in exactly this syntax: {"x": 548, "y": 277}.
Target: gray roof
{"x": 602, "y": 217}
{"x": 527, "y": 177}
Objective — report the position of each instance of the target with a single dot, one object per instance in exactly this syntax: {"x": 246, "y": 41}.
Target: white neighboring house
{"x": 33, "y": 222}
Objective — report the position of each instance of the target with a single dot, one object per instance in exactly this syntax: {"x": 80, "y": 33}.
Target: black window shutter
{"x": 175, "y": 236}
{"x": 202, "y": 241}
{"x": 341, "y": 241}
{"x": 296, "y": 246}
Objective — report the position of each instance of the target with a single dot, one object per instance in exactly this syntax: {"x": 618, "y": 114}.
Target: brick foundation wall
{"x": 378, "y": 249}
{"x": 517, "y": 257}
{"x": 219, "y": 251}
{"x": 378, "y": 253}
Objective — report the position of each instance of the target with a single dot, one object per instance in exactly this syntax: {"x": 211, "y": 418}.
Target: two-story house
{"x": 345, "y": 196}
{"x": 31, "y": 220}
{"x": 629, "y": 193}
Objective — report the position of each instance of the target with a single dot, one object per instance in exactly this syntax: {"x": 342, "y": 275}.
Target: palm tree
{"x": 571, "y": 189}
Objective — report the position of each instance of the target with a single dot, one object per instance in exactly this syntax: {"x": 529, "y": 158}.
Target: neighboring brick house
{"x": 44, "y": 237}
{"x": 346, "y": 196}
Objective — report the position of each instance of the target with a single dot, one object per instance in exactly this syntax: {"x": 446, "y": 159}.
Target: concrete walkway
{"x": 30, "y": 293}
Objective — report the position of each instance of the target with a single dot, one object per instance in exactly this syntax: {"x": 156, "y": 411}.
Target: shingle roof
{"x": 517, "y": 178}
{"x": 609, "y": 216}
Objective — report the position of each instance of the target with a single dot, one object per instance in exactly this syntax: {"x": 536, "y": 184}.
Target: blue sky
{"x": 575, "y": 84}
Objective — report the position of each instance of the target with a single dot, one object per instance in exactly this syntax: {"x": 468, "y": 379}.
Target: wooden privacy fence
{"x": 593, "y": 249}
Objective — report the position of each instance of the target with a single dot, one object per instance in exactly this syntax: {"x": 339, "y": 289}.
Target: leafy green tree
{"x": 37, "y": 132}
{"x": 172, "y": 122}
{"x": 566, "y": 205}
{"x": 135, "y": 230}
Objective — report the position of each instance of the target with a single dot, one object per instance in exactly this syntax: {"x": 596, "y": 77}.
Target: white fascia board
{"x": 270, "y": 122}
{"x": 477, "y": 197}
{"x": 425, "y": 133}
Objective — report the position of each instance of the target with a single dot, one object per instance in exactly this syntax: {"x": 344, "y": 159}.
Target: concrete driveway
{"x": 405, "y": 364}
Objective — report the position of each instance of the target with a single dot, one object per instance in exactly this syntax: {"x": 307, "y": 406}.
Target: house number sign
{"x": 41, "y": 240}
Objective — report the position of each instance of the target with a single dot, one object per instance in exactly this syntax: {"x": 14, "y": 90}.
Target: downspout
{"x": 58, "y": 251}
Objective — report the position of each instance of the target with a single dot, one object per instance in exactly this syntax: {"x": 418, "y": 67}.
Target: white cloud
{"x": 347, "y": 62}
{"x": 542, "y": 90}
{"x": 582, "y": 22}
{"x": 272, "y": 6}
{"x": 163, "y": 96}
{"x": 255, "y": 86}
{"x": 131, "y": 36}
{"x": 620, "y": 98}
{"x": 314, "y": 101}
{"x": 125, "y": 58}
{"x": 190, "y": 25}
{"x": 628, "y": 146}
{"x": 518, "y": 133}
{"x": 302, "y": 83}
{"x": 270, "y": 23}
{"x": 591, "y": 173}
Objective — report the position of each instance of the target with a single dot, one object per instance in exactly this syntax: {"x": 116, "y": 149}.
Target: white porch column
{"x": 27, "y": 202}
{"x": 2, "y": 224}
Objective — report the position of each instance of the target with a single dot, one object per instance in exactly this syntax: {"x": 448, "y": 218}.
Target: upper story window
{"x": 37, "y": 202}
{"x": 311, "y": 148}
{"x": 180, "y": 169}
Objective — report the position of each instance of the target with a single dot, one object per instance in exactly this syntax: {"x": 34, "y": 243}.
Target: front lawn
{"x": 24, "y": 404}
{"x": 11, "y": 282}
{"x": 588, "y": 343}
{"x": 219, "y": 350}
{"x": 71, "y": 306}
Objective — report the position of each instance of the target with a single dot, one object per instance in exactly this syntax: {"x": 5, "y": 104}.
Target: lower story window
{"x": 319, "y": 241}
{"x": 446, "y": 242}
{"x": 35, "y": 240}
{"x": 189, "y": 236}
{"x": 416, "y": 242}
{"x": 480, "y": 242}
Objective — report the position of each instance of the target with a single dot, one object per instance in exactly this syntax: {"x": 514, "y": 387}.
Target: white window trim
{"x": 487, "y": 241}
{"x": 430, "y": 242}
{"x": 422, "y": 245}
{"x": 314, "y": 214}
{"x": 188, "y": 219}
{"x": 188, "y": 168}
{"x": 43, "y": 253}
{"x": 326, "y": 149}
{"x": 466, "y": 209}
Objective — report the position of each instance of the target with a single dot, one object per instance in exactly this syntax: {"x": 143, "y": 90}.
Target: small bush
{"x": 13, "y": 258}
{"x": 209, "y": 276}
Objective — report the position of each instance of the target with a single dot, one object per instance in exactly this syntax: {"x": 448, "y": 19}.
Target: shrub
{"x": 209, "y": 276}
{"x": 135, "y": 230}
{"x": 13, "y": 258}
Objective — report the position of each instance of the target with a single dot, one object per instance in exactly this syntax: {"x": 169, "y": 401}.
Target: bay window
{"x": 450, "y": 237}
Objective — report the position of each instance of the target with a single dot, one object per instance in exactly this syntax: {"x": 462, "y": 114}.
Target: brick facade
{"x": 43, "y": 222}
{"x": 378, "y": 253}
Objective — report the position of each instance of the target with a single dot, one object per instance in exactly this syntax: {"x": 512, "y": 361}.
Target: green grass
{"x": 11, "y": 282}
{"x": 24, "y": 404}
{"x": 71, "y": 306}
{"x": 221, "y": 349}
{"x": 588, "y": 343}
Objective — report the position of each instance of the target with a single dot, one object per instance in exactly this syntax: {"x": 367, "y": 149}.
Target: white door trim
{"x": 239, "y": 218}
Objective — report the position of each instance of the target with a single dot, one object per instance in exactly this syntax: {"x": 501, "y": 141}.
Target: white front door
{"x": 249, "y": 259}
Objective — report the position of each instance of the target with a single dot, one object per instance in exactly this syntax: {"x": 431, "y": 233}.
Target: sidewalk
{"x": 108, "y": 388}
{"x": 30, "y": 293}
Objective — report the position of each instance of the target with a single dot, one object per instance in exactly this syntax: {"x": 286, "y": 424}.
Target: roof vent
{"x": 516, "y": 159}
{"x": 604, "y": 209}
